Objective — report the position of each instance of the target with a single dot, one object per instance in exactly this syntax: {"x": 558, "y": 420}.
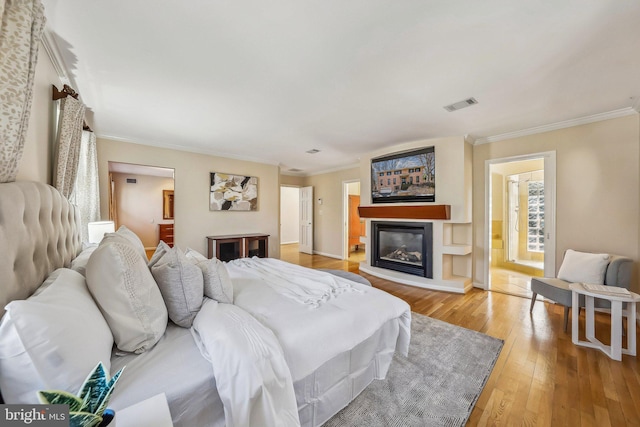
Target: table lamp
{"x": 98, "y": 229}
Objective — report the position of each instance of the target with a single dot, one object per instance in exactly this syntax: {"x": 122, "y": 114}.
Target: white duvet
{"x": 311, "y": 336}
{"x": 285, "y": 323}
{"x": 252, "y": 377}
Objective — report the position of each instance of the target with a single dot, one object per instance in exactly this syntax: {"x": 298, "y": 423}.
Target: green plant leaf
{"x": 84, "y": 419}
{"x": 96, "y": 389}
{"x": 96, "y": 379}
{"x": 104, "y": 399}
{"x": 60, "y": 397}
{"x": 92, "y": 398}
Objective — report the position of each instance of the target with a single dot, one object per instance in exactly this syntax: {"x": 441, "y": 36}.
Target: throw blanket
{"x": 304, "y": 285}
{"x": 252, "y": 377}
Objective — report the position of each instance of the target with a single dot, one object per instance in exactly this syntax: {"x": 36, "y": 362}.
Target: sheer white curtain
{"x": 67, "y": 154}
{"x": 86, "y": 192}
{"x": 21, "y": 26}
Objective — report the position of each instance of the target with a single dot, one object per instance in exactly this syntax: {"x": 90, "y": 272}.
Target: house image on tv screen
{"x": 404, "y": 177}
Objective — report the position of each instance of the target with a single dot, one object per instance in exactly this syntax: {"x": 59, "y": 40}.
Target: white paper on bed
{"x": 311, "y": 336}
{"x": 252, "y": 377}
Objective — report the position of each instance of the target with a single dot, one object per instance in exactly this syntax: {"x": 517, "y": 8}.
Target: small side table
{"x": 615, "y": 350}
{"x": 152, "y": 412}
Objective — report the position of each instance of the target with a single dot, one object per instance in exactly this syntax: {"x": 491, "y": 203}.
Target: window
{"x": 388, "y": 173}
{"x": 381, "y": 183}
{"x": 417, "y": 179}
{"x": 394, "y": 181}
{"x": 535, "y": 224}
{"x": 381, "y": 174}
{"x": 388, "y": 181}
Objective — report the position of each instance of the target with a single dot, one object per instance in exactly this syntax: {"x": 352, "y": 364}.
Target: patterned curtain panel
{"x": 86, "y": 193}
{"x": 68, "y": 145}
{"x": 20, "y": 31}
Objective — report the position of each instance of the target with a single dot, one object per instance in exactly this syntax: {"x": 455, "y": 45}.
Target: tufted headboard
{"x": 39, "y": 232}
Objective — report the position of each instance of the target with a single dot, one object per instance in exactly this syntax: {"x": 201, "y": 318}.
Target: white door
{"x": 306, "y": 220}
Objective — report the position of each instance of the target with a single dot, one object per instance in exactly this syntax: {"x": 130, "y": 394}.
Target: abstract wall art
{"x": 233, "y": 192}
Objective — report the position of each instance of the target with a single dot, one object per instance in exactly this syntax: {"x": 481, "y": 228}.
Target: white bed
{"x": 330, "y": 351}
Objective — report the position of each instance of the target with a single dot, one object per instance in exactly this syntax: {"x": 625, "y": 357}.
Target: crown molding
{"x": 53, "y": 52}
{"x": 561, "y": 125}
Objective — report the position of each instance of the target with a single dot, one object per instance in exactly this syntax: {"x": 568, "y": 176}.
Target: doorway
{"x": 141, "y": 198}
{"x": 520, "y": 222}
{"x": 289, "y": 216}
{"x": 354, "y": 227}
{"x": 296, "y": 219}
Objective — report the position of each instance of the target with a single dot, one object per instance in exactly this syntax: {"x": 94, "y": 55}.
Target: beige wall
{"x": 35, "y": 164}
{"x": 328, "y": 221}
{"x": 293, "y": 181}
{"x": 140, "y": 205}
{"x": 193, "y": 220}
{"x": 597, "y": 187}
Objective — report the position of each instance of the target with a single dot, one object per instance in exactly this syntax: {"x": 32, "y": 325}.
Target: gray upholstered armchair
{"x": 617, "y": 273}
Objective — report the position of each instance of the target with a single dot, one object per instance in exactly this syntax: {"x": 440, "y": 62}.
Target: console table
{"x": 615, "y": 350}
{"x": 231, "y": 246}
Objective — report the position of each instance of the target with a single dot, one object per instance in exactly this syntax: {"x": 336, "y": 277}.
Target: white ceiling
{"x": 270, "y": 80}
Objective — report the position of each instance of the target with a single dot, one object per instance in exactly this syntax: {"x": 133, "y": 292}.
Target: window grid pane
{"x": 535, "y": 223}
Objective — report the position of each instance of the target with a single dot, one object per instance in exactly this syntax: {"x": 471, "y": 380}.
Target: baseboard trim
{"x": 327, "y": 255}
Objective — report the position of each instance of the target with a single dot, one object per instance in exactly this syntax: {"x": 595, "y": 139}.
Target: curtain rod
{"x": 68, "y": 91}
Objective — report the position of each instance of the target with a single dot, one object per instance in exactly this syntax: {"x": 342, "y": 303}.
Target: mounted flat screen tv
{"x": 409, "y": 176}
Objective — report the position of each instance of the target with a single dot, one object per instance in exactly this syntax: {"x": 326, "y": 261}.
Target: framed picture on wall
{"x": 229, "y": 192}
{"x": 409, "y": 176}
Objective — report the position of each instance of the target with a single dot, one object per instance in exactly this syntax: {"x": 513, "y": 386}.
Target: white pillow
{"x": 80, "y": 262}
{"x": 180, "y": 282}
{"x": 217, "y": 282}
{"x": 128, "y": 296}
{"x": 131, "y": 237}
{"x": 52, "y": 340}
{"x": 584, "y": 267}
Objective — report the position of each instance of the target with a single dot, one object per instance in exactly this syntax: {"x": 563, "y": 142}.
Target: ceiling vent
{"x": 313, "y": 151}
{"x": 295, "y": 170}
{"x": 462, "y": 104}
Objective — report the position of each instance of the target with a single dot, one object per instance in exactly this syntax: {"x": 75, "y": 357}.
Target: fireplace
{"x": 403, "y": 246}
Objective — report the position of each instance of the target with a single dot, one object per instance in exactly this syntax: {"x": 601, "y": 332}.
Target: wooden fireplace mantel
{"x": 406, "y": 212}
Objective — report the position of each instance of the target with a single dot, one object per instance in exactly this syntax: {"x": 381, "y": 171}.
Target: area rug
{"x": 437, "y": 385}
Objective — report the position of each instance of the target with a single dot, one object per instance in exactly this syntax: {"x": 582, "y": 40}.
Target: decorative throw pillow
{"x": 128, "y": 296}
{"x": 584, "y": 267}
{"x": 217, "y": 282}
{"x": 52, "y": 340}
{"x": 180, "y": 282}
{"x": 131, "y": 237}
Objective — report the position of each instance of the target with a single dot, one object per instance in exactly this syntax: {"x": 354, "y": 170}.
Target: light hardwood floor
{"x": 540, "y": 378}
